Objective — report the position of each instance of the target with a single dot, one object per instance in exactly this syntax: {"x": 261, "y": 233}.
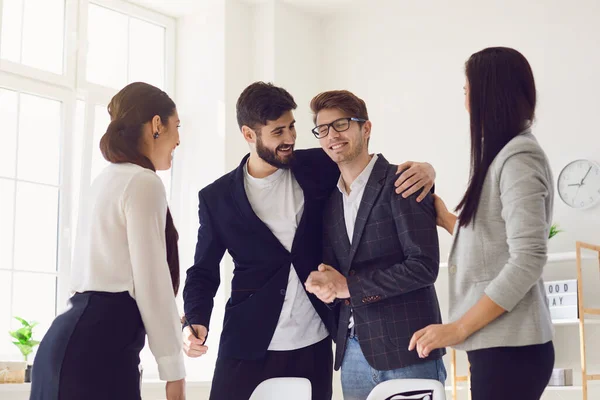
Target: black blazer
{"x": 391, "y": 268}
{"x": 261, "y": 263}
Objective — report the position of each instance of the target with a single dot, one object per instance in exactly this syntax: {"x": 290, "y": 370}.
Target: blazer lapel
{"x": 338, "y": 229}
{"x": 372, "y": 190}
{"x": 245, "y": 208}
{"x": 454, "y": 240}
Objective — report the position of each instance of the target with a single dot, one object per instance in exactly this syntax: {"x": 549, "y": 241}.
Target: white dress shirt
{"x": 278, "y": 201}
{"x": 352, "y": 201}
{"x": 121, "y": 246}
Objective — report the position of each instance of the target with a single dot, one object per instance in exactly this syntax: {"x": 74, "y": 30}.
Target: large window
{"x": 22, "y": 39}
{"x": 29, "y": 194}
{"x": 60, "y": 63}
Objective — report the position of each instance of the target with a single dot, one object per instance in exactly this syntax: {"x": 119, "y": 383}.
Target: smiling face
{"x": 275, "y": 141}
{"x": 345, "y": 146}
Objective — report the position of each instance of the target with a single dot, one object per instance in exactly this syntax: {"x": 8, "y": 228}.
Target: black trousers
{"x": 237, "y": 379}
{"x": 502, "y": 373}
{"x": 91, "y": 351}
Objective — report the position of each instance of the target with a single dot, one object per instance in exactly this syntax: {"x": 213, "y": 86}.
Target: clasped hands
{"x": 327, "y": 284}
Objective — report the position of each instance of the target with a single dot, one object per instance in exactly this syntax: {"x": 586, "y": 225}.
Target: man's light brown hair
{"x": 343, "y": 100}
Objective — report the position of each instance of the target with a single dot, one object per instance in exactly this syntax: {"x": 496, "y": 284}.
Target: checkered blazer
{"x": 391, "y": 268}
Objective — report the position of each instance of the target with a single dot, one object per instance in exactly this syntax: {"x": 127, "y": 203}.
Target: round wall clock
{"x": 579, "y": 184}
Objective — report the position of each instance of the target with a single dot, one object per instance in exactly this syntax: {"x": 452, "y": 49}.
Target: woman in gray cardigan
{"x": 498, "y": 307}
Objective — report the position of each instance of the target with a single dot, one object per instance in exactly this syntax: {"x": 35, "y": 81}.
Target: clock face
{"x": 579, "y": 184}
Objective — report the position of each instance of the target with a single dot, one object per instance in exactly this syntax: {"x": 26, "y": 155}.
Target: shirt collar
{"x": 361, "y": 180}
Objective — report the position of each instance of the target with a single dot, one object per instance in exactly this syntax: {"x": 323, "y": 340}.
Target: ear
{"x": 367, "y": 129}
{"x": 249, "y": 134}
{"x": 156, "y": 124}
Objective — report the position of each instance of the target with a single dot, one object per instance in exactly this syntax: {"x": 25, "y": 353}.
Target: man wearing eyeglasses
{"x": 380, "y": 257}
{"x": 268, "y": 214}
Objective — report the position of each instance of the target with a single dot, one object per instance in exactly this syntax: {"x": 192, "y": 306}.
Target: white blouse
{"x": 121, "y": 247}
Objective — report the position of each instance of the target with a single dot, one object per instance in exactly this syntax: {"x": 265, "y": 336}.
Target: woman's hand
{"x": 444, "y": 219}
{"x": 436, "y": 337}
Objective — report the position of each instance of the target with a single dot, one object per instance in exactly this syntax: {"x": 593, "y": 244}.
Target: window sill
{"x": 15, "y": 387}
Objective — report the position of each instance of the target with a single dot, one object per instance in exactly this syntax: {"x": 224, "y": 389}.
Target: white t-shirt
{"x": 278, "y": 201}
{"x": 121, "y": 246}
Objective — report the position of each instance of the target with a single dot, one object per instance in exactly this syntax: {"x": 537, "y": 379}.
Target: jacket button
{"x": 452, "y": 269}
{"x": 352, "y": 272}
{"x": 282, "y": 292}
{"x": 347, "y": 302}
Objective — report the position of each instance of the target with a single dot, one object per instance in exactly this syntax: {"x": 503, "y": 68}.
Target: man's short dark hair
{"x": 262, "y": 102}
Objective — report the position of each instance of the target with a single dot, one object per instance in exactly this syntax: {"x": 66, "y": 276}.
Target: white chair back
{"x": 414, "y": 389}
{"x": 283, "y": 388}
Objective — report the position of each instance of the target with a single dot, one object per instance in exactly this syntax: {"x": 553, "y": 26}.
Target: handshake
{"x": 327, "y": 284}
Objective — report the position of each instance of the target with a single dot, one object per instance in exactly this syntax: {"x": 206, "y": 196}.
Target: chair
{"x": 399, "y": 389}
{"x": 283, "y": 388}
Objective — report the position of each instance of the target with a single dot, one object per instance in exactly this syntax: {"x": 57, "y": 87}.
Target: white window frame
{"x": 135, "y": 11}
{"x": 26, "y": 85}
{"x": 68, "y": 88}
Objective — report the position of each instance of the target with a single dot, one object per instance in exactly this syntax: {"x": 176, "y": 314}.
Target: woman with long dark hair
{"x": 125, "y": 272}
{"x": 498, "y": 306}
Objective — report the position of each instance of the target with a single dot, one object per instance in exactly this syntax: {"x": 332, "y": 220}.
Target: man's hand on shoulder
{"x": 414, "y": 177}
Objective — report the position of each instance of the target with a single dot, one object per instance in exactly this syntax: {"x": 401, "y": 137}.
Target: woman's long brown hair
{"x": 502, "y": 103}
{"x": 135, "y": 105}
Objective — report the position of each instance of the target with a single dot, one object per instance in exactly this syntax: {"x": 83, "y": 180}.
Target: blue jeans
{"x": 359, "y": 378}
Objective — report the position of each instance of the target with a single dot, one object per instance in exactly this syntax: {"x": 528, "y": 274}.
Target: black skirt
{"x": 501, "y": 373}
{"x": 92, "y": 351}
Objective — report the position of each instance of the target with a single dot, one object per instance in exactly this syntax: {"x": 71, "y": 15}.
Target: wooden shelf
{"x": 458, "y": 387}
{"x": 564, "y": 388}
{"x": 574, "y": 321}
{"x": 15, "y": 387}
{"x": 554, "y": 258}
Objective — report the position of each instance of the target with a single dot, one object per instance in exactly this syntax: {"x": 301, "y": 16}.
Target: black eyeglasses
{"x": 339, "y": 125}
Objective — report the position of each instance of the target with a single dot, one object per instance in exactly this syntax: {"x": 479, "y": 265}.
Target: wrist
{"x": 462, "y": 330}
{"x": 342, "y": 289}
{"x": 449, "y": 220}
{"x": 342, "y": 292}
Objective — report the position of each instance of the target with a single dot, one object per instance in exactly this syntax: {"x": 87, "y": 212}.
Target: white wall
{"x": 299, "y": 64}
{"x": 273, "y": 42}
{"x": 406, "y": 60}
{"x": 200, "y": 98}
{"x": 243, "y": 35}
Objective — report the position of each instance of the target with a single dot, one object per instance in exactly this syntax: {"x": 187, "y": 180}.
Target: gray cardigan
{"x": 504, "y": 252}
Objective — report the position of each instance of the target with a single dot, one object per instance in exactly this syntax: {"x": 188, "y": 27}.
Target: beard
{"x": 271, "y": 156}
{"x": 352, "y": 153}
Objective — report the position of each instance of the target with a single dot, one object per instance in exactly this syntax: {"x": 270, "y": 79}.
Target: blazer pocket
{"x": 469, "y": 264}
{"x": 396, "y": 324}
{"x": 238, "y": 297}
